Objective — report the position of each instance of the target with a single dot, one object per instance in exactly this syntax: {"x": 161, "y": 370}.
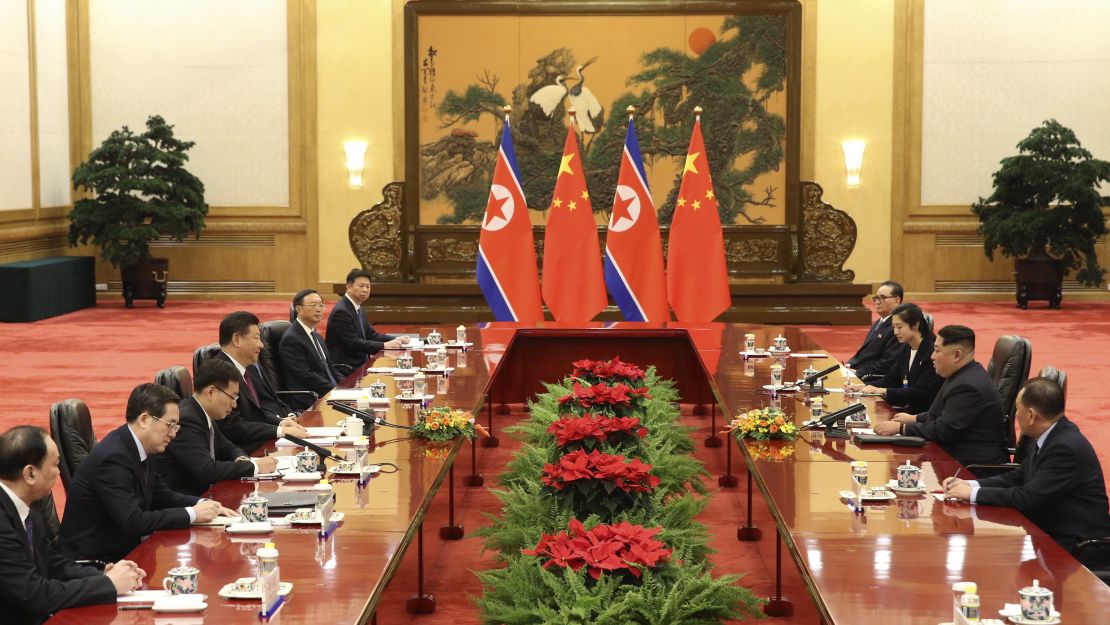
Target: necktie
{"x": 361, "y": 322}
{"x": 323, "y": 358}
{"x": 30, "y": 536}
{"x": 211, "y": 441}
{"x": 250, "y": 385}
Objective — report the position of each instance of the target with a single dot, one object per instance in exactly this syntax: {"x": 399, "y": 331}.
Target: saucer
{"x": 336, "y": 517}
{"x": 886, "y": 496}
{"x": 302, "y": 477}
{"x": 180, "y": 604}
{"x": 413, "y": 398}
{"x": 893, "y": 485}
{"x": 774, "y": 350}
{"x": 229, "y": 592}
{"x": 1022, "y": 621}
{"x": 256, "y": 527}
{"x": 1013, "y": 610}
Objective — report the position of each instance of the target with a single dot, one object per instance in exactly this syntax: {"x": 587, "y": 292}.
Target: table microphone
{"x": 365, "y": 416}
{"x": 820, "y": 375}
{"x": 320, "y": 451}
{"x": 831, "y": 418}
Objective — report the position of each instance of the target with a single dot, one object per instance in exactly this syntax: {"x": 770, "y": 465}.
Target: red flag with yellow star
{"x": 572, "y": 286}
{"x": 697, "y": 276}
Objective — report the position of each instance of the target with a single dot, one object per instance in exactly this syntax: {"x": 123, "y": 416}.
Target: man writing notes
{"x": 200, "y": 455}
{"x": 260, "y": 416}
{"x": 35, "y": 580}
{"x": 879, "y": 348}
{"x": 1059, "y": 483}
{"x": 966, "y": 416}
{"x": 117, "y": 498}
{"x": 304, "y": 357}
{"x": 350, "y": 338}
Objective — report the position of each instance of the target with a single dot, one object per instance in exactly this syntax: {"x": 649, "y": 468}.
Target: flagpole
{"x": 631, "y": 110}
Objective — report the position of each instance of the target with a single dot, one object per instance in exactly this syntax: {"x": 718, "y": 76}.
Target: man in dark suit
{"x": 874, "y": 357}
{"x": 259, "y": 416}
{"x": 350, "y": 339}
{"x": 35, "y": 580}
{"x": 117, "y": 497}
{"x": 304, "y": 356}
{"x": 200, "y": 455}
{"x": 966, "y": 416}
{"x": 1058, "y": 485}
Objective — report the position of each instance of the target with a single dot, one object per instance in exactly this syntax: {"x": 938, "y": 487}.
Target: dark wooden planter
{"x": 1039, "y": 278}
{"x": 145, "y": 280}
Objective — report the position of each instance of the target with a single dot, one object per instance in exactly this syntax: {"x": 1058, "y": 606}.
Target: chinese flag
{"x": 697, "y": 277}
{"x": 573, "y": 287}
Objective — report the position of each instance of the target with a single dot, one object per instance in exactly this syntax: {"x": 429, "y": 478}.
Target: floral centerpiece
{"x": 444, "y": 424}
{"x": 614, "y": 549}
{"x": 611, "y": 371}
{"x": 619, "y": 399}
{"x": 763, "y": 424}
{"x": 598, "y": 483}
{"x": 589, "y": 431}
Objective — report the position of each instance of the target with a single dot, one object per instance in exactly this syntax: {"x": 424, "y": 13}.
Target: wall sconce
{"x": 853, "y": 159}
{"x": 356, "y": 161}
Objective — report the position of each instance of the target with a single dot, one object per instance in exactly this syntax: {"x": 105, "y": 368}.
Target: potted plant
{"x": 1046, "y": 213}
{"x": 137, "y": 190}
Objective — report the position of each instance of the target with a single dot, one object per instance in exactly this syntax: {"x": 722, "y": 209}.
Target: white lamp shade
{"x": 356, "y": 161}
{"x": 853, "y": 159}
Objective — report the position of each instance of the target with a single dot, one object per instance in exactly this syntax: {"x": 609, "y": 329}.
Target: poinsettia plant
{"x": 618, "y": 399}
{"x": 611, "y": 371}
{"x": 763, "y": 424}
{"x": 444, "y": 424}
{"x": 620, "y": 549}
{"x": 589, "y": 431}
{"x": 598, "y": 483}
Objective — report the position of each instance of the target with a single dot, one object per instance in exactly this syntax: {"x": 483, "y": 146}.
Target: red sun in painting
{"x": 701, "y": 39}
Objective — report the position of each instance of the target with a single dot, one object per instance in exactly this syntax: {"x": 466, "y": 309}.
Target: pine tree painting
{"x": 732, "y": 74}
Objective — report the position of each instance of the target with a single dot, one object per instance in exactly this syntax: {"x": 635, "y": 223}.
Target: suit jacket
{"x": 187, "y": 466}
{"x": 912, "y": 386}
{"x": 878, "y": 351}
{"x": 31, "y": 589}
{"x": 1060, "y": 488}
{"x": 303, "y": 367}
{"x": 250, "y": 423}
{"x": 966, "y": 418}
{"x": 350, "y": 339}
{"x": 115, "y": 501}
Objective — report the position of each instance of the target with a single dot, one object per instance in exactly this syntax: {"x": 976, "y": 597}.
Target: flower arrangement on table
{"x": 598, "y": 483}
{"x": 622, "y": 548}
{"x": 444, "y": 424}
{"x": 589, "y": 431}
{"x": 619, "y": 399}
{"x": 763, "y": 424}
{"x": 611, "y": 371}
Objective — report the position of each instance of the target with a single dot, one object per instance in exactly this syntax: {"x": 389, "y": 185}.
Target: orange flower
{"x": 433, "y": 426}
{"x": 774, "y": 428}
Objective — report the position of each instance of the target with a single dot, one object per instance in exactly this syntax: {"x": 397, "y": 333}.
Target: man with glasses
{"x": 200, "y": 455}
{"x": 879, "y": 348}
{"x": 117, "y": 498}
{"x": 304, "y": 355}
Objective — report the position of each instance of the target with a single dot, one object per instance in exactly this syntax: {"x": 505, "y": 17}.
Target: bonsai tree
{"x": 1046, "y": 201}
{"x": 140, "y": 190}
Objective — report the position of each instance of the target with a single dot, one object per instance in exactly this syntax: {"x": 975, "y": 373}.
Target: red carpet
{"x": 100, "y": 354}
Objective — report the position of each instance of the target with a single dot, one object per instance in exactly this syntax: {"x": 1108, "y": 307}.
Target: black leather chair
{"x": 1061, "y": 378}
{"x": 1009, "y": 368}
{"x": 270, "y": 360}
{"x": 929, "y": 321}
{"x": 48, "y": 514}
{"x": 71, "y": 429}
{"x": 203, "y": 353}
{"x": 177, "y": 379}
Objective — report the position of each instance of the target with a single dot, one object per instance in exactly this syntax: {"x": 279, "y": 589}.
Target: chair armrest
{"x": 1082, "y": 544}
{"x": 344, "y": 369}
{"x": 311, "y": 394}
{"x": 97, "y": 564}
{"x": 1000, "y": 468}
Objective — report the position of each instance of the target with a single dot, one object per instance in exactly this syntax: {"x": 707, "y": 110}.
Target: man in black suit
{"x": 35, "y": 580}
{"x": 117, "y": 497}
{"x": 200, "y": 455}
{"x": 304, "y": 356}
{"x": 966, "y": 416}
{"x": 879, "y": 348}
{"x": 350, "y": 339}
{"x": 1058, "y": 485}
{"x": 259, "y": 416}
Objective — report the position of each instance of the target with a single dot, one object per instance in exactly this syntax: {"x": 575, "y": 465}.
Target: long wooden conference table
{"x": 893, "y": 563}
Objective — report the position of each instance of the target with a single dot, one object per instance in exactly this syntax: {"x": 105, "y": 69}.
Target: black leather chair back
{"x": 270, "y": 360}
{"x": 1061, "y": 378}
{"x": 177, "y": 379}
{"x": 1009, "y": 368}
{"x": 203, "y": 353}
{"x": 928, "y": 322}
{"x": 71, "y": 429}
{"x": 48, "y": 514}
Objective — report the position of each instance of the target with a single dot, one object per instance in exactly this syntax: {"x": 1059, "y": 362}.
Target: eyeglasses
{"x": 878, "y": 299}
{"x": 313, "y": 304}
{"x": 173, "y": 427}
{"x": 233, "y": 397}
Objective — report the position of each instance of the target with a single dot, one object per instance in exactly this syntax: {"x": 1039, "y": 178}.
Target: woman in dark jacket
{"x": 911, "y": 383}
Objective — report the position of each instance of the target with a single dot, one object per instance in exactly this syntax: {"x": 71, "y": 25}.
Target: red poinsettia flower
{"x": 617, "y": 548}
{"x": 632, "y": 476}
